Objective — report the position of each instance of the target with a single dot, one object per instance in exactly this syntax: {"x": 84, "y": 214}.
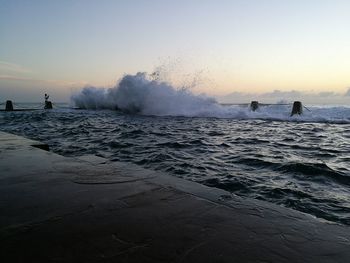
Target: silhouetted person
{"x": 46, "y": 97}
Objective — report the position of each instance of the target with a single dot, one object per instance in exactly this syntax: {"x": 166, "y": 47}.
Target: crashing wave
{"x": 140, "y": 94}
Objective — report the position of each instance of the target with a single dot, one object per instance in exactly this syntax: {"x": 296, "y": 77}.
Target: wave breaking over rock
{"x": 141, "y": 94}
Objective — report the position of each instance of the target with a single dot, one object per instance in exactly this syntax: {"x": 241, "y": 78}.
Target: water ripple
{"x": 305, "y": 166}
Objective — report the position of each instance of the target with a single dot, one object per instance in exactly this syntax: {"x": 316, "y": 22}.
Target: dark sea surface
{"x": 297, "y": 163}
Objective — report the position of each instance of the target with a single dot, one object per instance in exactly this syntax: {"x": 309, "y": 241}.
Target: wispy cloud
{"x": 15, "y": 72}
{"x": 46, "y": 81}
{"x": 7, "y": 67}
{"x": 324, "y": 97}
{"x": 10, "y": 77}
{"x": 279, "y": 93}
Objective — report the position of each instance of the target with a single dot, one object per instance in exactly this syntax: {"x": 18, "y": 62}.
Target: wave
{"x": 315, "y": 172}
{"x": 140, "y": 94}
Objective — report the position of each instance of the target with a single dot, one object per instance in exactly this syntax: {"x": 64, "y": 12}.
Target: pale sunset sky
{"x": 241, "y": 46}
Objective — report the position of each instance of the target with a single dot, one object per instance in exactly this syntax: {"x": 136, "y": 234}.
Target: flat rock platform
{"x": 60, "y": 209}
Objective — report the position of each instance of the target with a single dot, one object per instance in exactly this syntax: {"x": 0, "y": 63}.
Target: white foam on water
{"x": 141, "y": 94}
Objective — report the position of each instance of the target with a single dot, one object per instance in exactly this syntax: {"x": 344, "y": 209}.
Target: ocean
{"x": 301, "y": 162}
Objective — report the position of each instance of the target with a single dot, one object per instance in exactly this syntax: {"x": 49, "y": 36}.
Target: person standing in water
{"x": 46, "y": 97}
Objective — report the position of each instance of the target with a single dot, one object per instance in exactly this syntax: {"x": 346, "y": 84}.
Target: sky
{"x": 243, "y": 48}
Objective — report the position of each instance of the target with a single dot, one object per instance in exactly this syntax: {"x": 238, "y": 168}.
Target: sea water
{"x": 301, "y": 162}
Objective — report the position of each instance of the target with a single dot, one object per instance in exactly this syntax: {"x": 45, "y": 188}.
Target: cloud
{"x": 276, "y": 96}
{"x": 7, "y": 67}
{"x": 327, "y": 94}
{"x": 32, "y": 90}
{"x": 16, "y": 78}
{"x": 279, "y": 93}
{"x": 47, "y": 81}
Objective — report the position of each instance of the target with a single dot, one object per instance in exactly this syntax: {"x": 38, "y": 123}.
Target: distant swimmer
{"x": 46, "y": 97}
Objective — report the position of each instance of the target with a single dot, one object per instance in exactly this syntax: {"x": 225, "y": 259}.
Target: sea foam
{"x": 140, "y": 94}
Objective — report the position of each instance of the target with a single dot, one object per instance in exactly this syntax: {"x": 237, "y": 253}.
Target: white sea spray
{"x": 142, "y": 94}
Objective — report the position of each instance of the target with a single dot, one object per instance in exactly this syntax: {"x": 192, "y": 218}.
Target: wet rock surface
{"x": 58, "y": 209}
